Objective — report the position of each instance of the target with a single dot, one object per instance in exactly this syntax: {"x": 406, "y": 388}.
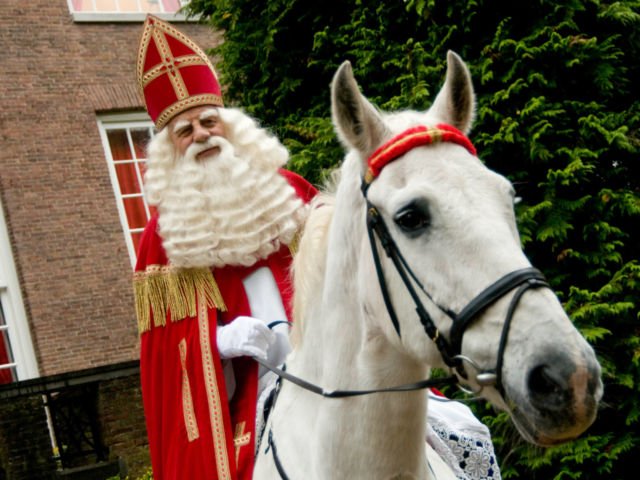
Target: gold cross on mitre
{"x": 240, "y": 439}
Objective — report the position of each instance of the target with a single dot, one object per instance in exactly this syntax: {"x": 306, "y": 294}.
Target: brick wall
{"x": 54, "y": 184}
{"x": 123, "y": 425}
{"x": 25, "y": 445}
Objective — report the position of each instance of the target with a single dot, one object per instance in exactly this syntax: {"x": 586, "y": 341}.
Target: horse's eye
{"x": 413, "y": 219}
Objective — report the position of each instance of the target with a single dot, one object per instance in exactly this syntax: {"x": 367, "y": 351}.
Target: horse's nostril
{"x": 548, "y": 389}
{"x": 541, "y": 382}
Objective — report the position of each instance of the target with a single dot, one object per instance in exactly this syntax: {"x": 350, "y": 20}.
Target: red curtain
{"x": 6, "y": 374}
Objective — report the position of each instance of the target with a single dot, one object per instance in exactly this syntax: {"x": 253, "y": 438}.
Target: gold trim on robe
{"x": 162, "y": 290}
{"x": 213, "y": 395}
{"x": 190, "y": 423}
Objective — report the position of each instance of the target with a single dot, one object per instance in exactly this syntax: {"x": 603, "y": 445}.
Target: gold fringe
{"x": 295, "y": 242}
{"x": 142, "y": 302}
{"x": 162, "y": 290}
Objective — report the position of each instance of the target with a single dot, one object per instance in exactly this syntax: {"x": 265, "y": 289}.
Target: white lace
{"x": 470, "y": 456}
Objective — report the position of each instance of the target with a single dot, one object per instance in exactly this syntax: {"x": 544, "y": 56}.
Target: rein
{"x": 282, "y": 374}
{"x": 311, "y": 387}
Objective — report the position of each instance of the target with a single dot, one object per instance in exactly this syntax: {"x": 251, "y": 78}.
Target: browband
{"x": 411, "y": 138}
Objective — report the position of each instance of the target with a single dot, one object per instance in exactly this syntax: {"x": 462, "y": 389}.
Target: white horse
{"x": 452, "y": 220}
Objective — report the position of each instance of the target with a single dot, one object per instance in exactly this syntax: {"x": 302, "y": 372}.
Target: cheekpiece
{"x": 173, "y": 73}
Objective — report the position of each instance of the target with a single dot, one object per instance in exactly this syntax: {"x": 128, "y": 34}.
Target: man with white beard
{"x": 212, "y": 273}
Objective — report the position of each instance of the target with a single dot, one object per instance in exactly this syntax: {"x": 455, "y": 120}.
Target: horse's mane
{"x": 309, "y": 261}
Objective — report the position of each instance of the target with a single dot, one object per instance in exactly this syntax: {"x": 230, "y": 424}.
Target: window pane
{"x": 119, "y": 144}
{"x": 142, "y": 166}
{"x": 152, "y": 6}
{"x": 104, "y": 6}
{"x": 136, "y": 240}
{"x": 127, "y": 178}
{"x": 140, "y": 139}
{"x": 127, "y": 6}
{"x": 131, "y": 6}
{"x": 171, "y": 5}
{"x": 7, "y": 375}
{"x": 136, "y": 213}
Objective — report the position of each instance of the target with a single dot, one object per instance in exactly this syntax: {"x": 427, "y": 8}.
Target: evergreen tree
{"x": 558, "y": 114}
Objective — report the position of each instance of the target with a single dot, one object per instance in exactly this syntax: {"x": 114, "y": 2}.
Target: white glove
{"x": 244, "y": 336}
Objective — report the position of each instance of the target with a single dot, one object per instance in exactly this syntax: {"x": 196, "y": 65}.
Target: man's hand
{"x": 245, "y": 336}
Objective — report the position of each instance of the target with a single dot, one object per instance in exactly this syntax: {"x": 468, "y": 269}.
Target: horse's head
{"x": 453, "y": 221}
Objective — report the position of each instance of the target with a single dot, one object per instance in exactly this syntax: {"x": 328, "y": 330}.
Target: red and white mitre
{"x": 173, "y": 73}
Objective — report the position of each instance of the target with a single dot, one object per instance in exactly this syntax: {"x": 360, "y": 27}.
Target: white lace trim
{"x": 471, "y": 457}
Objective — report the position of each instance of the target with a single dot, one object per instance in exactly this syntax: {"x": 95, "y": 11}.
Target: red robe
{"x": 194, "y": 431}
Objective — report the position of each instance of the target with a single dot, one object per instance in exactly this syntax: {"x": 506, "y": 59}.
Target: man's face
{"x": 196, "y": 125}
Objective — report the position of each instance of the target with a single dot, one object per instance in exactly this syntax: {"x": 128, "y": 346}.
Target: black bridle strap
{"x": 377, "y": 225}
{"x": 488, "y": 296}
{"x": 276, "y": 458}
{"x": 531, "y": 283}
{"x": 380, "y": 273}
{"x": 408, "y": 387}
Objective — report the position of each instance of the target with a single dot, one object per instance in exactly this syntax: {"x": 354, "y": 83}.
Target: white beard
{"x": 222, "y": 210}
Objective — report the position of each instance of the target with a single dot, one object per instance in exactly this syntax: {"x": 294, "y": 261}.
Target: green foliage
{"x": 558, "y": 113}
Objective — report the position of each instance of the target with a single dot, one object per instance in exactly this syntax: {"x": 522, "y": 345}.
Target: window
{"x": 124, "y": 10}
{"x": 7, "y": 365}
{"x": 125, "y": 138}
{"x": 17, "y": 357}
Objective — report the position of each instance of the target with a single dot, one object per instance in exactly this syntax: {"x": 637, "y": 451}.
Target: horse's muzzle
{"x": 563, "y": 395}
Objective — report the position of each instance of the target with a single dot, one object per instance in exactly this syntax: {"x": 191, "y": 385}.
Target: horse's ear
{"x": 357, "y": 122}
{"x": 455, "y": 104}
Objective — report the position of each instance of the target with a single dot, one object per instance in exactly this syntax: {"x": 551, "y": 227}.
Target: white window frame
{"x": 80, "y": 17}
{"x": 15, "y": 316}
{"x": 123, "y": 121}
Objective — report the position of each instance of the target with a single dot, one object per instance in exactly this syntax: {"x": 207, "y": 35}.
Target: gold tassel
{"x": 157, "y": 292}
{"x": 162, "y": 290}
{"x": 142, "y": 302}
{"x": 206, "y": 286}
{"x": 295, "y": 242}
{"x": 178, "y": 297}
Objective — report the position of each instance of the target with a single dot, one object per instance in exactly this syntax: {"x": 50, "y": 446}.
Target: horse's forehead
{"x": 441, "y": 167}
{"x": 398, "y": 122}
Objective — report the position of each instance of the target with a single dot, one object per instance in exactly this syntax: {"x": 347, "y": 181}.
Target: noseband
{"x": 519, "y": 280}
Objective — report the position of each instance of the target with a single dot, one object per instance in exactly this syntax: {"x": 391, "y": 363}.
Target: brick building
{"x": 73, "y": 130}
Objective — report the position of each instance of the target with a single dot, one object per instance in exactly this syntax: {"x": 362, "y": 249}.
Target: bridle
{"x": 521, "y": 280}
{"x": 451, "y": 350}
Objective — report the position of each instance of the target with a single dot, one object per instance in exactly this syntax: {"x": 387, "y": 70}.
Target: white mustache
{"x": 222, "y": 143}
